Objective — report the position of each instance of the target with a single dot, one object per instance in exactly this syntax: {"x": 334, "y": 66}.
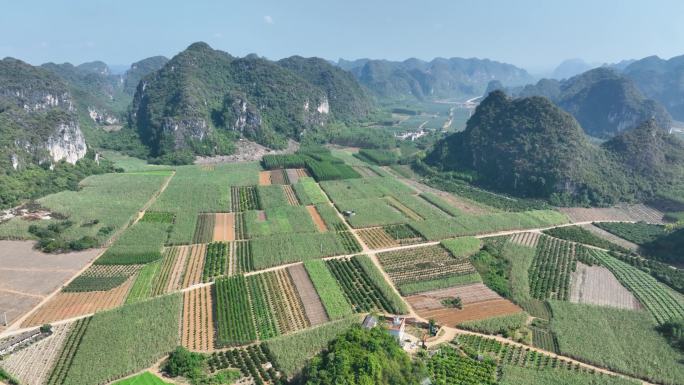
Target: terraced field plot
{"x": 32, "y": 365}
{"x": 102, "y": 277}
{"x": 359, "y": 289}
{"x": 412, "y": 270}
{"x": 293, "y": 174}
{"x": 197, "y": 331}
{"x": 620, "y": 213}
{"x": 479, "y": 302}
{"x": 596, "y": 285}
{"x": 69, "y": 305}
{"x": 65, "y": 358}
{"x": 661, "y": 301}
{"x": 244, "y": 198}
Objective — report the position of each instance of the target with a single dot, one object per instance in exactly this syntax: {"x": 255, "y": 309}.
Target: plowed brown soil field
{"x": 69, "y": 305}
{"x": 316, "y": 217}
{"x": 479, "y": 302}
{"x": 176, "y": 276}
{"x": 198, "y": 325}
{"x": 264, "y": 178}
{"x": 224, "y": 227}
{"x": 193, "y": 270}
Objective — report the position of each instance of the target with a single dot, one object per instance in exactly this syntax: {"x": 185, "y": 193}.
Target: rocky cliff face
{"x": 38, "y": 117}
{"x": 203, "y": 99}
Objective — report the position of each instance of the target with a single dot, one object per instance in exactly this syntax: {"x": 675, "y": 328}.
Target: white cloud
{"x": 268, "y": 19}
{"x": 218, "y": 35}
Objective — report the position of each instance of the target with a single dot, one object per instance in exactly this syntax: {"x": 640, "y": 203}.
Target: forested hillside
{"x": 603, "y": 101}
{"x": 529, "y": 147}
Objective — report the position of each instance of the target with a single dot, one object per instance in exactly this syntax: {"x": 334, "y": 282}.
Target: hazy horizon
{"x": 536, "y": 35}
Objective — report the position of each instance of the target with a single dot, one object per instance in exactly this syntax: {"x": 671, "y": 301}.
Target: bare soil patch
{"x": 68, "y": 305}
{"x": 313, "y": 307}
{"x": 596, "y": 285}
{"x": 621, "y": 213}
{"x": 479, "y": 302}
{"x": 247, "y": 151}
{"x": 264, "y": 178}
{"x": 316, "y": 217}
{"x": 28, "y": 275}
{"x": 198, "y": 324}
{"x": 277, "y": 177}
{"x": 293, "y": 174}
{"x": 224, "y": 227}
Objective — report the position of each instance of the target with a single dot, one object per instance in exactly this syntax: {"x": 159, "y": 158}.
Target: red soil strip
{"x": 224, "y": 227}
{"x": 316, "y": 217}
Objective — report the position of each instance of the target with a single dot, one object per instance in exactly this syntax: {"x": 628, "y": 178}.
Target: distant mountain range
{"x": 661, "y": 80}
{"x": 602, "y": 100}
{"x": 454, "y": 78}
{"x": 530, "y": 147}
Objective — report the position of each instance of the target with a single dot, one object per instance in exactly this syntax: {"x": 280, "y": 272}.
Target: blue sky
{"x": 533, "y": 34}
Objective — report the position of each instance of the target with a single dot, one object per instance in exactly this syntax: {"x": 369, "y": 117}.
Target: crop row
{"x": 511, "y": 354}
{"x": 215, "y": 260}
{"x": 357, "y": 286}
{"x": 251, "y": 361}
{"x": 158, "y": 216}
{"x": 243, "y": 256}
{"x": 142, "y": 287}
{"x": 403, "y": 233}
{"x": 204, "y": 229}
{"x": 139, "y": 244}
{"x": 85, "y": 283}
{"x": 272, "y": 162}
{"x": 329, "y": 291}
{"x": 660, "y": 301}
{"x": 233, "y": 312}
{"x": 551, "y": 266}
{"x": 244, "y": 198}
{"x": 161, "y": 283}
{"x": 423, "y": 263}
{"x": 66, "y": 357}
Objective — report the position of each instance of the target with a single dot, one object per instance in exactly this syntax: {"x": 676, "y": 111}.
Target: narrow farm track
{"x": 111, "y": 240}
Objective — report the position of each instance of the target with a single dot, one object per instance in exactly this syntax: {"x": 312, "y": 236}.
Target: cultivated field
{"x": 596, "y": 285}
{"x": 479, "y": 302}
{"x": 32, "y": 365}
{"x": 313, "y": 307}
{"x": 316, "y": 218}
{"x": 68, "y": 305}
{"x": 172, "y": 269}
{"x": 27, "y": 276}
{"x": 426, "y": 268}
{"x": 611, "y": 237}
{"x": 195, "y": 265}
{"x": 528, "y": 239}
{"x": 224, "y": 227}
{"x": 376, "y": 238}
{"x": 620, "y": 213}
{"x": 197, "y": 331}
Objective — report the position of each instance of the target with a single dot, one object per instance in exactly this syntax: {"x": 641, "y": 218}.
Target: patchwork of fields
{"x": 236, "y": 261}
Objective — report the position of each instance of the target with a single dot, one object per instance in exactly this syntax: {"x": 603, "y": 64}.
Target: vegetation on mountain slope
{"x": 529, "y": 147}
{"x": 604, "y": 102}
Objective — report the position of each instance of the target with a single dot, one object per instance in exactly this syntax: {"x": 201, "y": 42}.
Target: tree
{"x": 363, "y": 357}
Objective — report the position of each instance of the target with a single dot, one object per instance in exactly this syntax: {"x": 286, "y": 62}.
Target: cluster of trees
{"x": 363, "y": 356}
{"x": 35, "y": 181}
